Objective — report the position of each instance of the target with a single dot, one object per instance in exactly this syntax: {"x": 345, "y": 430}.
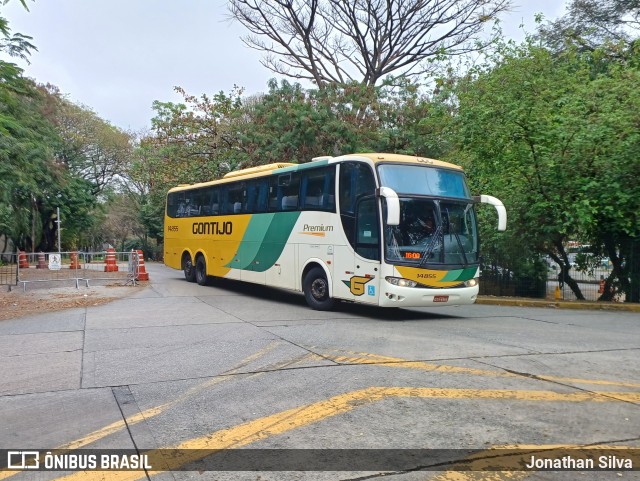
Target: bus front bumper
{"x": 395, "y": 296}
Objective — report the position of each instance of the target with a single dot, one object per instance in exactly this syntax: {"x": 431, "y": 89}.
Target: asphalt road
{"x": 232, "y": 365}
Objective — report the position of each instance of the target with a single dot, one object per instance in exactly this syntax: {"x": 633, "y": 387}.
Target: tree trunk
{"x": 562, "y": 260}
{"x": 632, "y": 257}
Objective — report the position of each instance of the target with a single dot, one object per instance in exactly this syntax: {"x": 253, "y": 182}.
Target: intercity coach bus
{"x": 381, "y": 229}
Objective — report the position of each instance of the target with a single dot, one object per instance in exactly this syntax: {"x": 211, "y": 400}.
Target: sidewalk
{"x": 524, "y": 302}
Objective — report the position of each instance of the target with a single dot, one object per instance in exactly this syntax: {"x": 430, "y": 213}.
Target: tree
{"x": 27, "y": 172}
{"x": 16, "y": 44}
{"x": 591, "y": 24}
{"x": 194, "y": 141}
{"x": 122, "y": 221}
{"x": 337, "y": 41}
{"x": 291, "y": 124}
{"x": 559, "y": 145}
{"x": 610, "y": 198}
{"x": 90, "y": 147}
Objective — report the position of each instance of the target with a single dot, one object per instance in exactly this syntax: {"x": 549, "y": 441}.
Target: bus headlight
{"x": 401, "y": 282}
{"x": 471, "y": 282}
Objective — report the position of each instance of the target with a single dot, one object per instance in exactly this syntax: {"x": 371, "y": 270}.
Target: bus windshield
{"x": 423, "y": 180}
{"x": 433, "y": 232}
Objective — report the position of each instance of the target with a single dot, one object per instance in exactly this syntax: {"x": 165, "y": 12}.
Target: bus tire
{"x": 188, "y": 268}
{"x": 201, "y": 271}
{"x": 316, "y": 290}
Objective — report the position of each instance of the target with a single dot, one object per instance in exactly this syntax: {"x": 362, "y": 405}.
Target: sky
{"x": 118, "y": 56}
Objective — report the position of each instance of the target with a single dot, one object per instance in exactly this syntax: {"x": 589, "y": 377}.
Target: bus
{"x": 382, "y": 229}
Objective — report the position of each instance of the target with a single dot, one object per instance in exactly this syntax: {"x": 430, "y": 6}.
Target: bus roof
{"x": 283, "y": 167}
{"x": 377, "y": 158}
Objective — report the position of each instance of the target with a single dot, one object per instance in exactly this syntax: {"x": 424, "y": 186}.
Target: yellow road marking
{"x": 368, "y": 358}
{"x": 275, "y": 424}
{"x": 151, "y": 412}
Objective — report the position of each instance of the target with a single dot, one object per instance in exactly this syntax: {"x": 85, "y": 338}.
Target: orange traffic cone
{"x": 143, "y": 275}
{"x": 42, "y": 263}
{"x": 23, "y": 262}
{"x": 110, "y": 261}
{"x": 74, "y": 261}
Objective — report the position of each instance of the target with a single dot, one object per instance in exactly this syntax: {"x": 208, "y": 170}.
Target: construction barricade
{"x": 74, "y": 268}
{"x": 143, "y": 275}
{"x": 8, "y": 270}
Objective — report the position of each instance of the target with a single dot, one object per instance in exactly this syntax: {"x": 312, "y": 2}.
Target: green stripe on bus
{"x": 274, "y": 240}
{"x": 459, "y": 275}
{"x": 252, "y": 240}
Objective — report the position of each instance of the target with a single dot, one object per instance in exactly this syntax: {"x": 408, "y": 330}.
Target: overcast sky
{"x": 118, "y": 56}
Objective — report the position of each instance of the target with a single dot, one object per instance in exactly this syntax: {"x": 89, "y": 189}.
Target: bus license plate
{"x": 440, "y": 298}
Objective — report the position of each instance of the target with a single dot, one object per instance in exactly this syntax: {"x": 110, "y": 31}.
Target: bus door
{"x": 357, "y": 265}
{"x": 366, "y": 282}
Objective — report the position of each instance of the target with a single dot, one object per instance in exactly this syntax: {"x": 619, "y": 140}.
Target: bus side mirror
{"x": 497, "y": 203}
{"x": 393, "y": 204}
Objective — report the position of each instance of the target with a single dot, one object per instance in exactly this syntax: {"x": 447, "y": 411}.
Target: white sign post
{"x": 55, "y": 262}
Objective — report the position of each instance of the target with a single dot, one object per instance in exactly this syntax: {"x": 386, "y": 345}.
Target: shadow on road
{"x": 297, "y": 299}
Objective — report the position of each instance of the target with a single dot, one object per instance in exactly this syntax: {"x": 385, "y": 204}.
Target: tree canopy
{"x": 330, "y": 41}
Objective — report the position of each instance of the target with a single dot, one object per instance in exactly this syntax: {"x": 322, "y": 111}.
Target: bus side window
{"x": 288, "y": 186}
{"x": 183, "y": 204}
{"x": 256, "y": 196}
{"x": 224, "y": 197}
{"x": 275, "y": 195}
{"x": 205, "y": 206}
{"x": 197, "y": 201}
{"x": 356, "y": 181}
{"x": 292, "y": 191}
{"x": 367, "y": 236}
{"x": 215, "y": 201}
{"x": 318, "y": 187}
{"x": 173, "y": 202}
{"x": 251, "y": 191}
{"x": 236, "y": 198}
{"x": 263, "y": 192}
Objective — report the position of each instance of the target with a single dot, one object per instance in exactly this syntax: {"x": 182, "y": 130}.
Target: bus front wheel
{"x": 201, "y": 271}
{"x": 188, "y": 268}
{"x": 316, "y": 290}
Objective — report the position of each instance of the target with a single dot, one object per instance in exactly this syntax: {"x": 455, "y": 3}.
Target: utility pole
{"x": 58, "y": 222}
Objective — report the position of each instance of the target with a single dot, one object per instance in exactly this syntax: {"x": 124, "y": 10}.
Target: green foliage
{"x": 557, "y": 141}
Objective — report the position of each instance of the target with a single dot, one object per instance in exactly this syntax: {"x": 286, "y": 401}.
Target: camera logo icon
{"x": 23, "y": 460}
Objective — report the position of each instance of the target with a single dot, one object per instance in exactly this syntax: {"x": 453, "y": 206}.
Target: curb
{"x": 584, "y": 305}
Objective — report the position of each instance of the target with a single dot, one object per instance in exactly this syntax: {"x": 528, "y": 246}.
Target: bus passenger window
{"x": 275, "y": 195}
{"x": 256, "y": 196}
{"x": 215, "y": 202}
{"x": 318, "y": 187}
{"x": 290, "y": 193}
{"x": 235, "y": 198}
{"x": 184, "y": 205}
{"x": 173, "y": 202}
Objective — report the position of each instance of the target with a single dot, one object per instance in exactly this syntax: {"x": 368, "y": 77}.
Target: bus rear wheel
{"x": 201, "y": 271}
{"x": 188, "y": 268}
{"x": 316, "y": 290}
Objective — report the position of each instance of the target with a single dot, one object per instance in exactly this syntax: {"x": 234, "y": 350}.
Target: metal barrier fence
{"x": 78, "y": 267}
{"x": 591, "y": 284}
{"x": 497, "y": 281}
{"x": 8, "y": 270}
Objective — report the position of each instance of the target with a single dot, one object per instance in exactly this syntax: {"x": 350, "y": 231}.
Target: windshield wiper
{"x": 431, "y": 245}
{"x": 466, "y": 262}
{"x": 452, "y": 230}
